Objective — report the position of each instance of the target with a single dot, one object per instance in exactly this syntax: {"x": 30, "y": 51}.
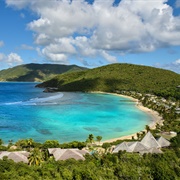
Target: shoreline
{"x": 156, "y": 118}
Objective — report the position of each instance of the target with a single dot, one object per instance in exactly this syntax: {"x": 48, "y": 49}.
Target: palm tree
{"x": 1, "y": 142}
{"x": 91, "y": 137}
{"x": 158, "y": 127}
{"x": 138, "y": 135}
{"x": 22, "y": 144}
{"x": 99, "y": 138}
{"x": 147, "y": 128}
{"x": 35, "y": 157}
{"x": 10, "y": 143}
{"x": 30, "y": 142}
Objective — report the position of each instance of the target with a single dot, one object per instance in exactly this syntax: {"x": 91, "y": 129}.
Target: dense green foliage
{"x": 29, "y": 144}
{"x": 108, "y": 166}
{"x": 36, "y": 72}
{"x": 122, "y": 165}
{"x": 175, "y": 141}
{"x": 118, "y": 77}
{"x": 111, "y": 78}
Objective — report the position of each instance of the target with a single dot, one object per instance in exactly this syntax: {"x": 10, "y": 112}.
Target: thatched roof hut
{"x": 18, "y": 156}
{"x": 138, "y": 147}
{"x": 163, "y": 142}
{"x": 150, "y": 141}
{"x": 147, "y": 145}
{"x": 63, "y": 154}
{"x": 121, "y": 147}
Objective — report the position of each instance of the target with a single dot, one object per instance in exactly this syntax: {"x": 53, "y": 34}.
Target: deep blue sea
{"x": 27, "y": 112}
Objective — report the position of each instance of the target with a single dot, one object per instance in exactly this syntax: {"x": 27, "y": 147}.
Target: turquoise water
{"x": 27, "y": 112}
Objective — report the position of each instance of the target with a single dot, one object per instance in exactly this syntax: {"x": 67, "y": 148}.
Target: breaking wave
{"x": 51, "y": 100}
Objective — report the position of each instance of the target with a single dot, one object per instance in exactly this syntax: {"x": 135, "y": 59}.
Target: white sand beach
{"x": 155, "y": 116}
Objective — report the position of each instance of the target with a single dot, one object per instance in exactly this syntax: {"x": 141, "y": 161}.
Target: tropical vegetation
{"x": 154, "y": 88}
{"x": 36, "y": 72}
{"x": 121, "y": 165}
{"x": 119, "y": 77}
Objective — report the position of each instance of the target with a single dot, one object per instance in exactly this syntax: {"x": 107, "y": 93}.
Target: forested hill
{"x": 114, "y": 77}
{"x": 36, "y": 72}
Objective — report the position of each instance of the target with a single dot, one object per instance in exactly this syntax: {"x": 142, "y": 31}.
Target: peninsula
{"x": 119, "y": 77}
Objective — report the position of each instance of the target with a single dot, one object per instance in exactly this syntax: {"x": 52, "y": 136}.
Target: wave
{"x": 51, "y": 100}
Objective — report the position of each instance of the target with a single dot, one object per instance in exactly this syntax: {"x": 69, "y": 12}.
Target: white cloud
{"x": 66, "y": 28}
{"x": 10, "y": 60}
{"x": 14, "y": 59}
{"x": 173, "y": 66}
{"x": 17, "y": 4}
{"x": 55, "y": 57}
{"x": 84, "y": 46}
{"x": 108, "y": 57}
{"x": 42, "y": 39}
{"x": 38, "y": 50}
{"x": 1, "y": 43}
{"x": 27, "y": 47}
{"x": 63, "y": 45}
{"x": 177, "y": 62}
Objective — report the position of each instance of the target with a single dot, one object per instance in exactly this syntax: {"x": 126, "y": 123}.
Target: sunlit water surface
{"x": 27, "y": 112}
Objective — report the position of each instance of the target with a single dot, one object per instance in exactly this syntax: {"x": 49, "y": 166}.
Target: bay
{"x": 27, "y": 112}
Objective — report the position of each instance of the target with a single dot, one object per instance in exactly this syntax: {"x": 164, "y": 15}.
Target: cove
{"x": 27, "y": 112}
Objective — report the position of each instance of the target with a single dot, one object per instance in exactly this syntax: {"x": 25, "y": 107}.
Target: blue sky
{"x": 90, "y": 33}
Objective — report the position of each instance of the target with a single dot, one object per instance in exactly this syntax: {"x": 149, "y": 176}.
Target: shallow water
{"x": 27, "y": 112}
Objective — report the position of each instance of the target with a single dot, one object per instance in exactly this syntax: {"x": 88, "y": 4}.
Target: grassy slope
{"x": 119, "y": 77}
{"x": 36, "y": 72}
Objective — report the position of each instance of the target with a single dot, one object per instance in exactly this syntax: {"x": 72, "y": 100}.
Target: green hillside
{"x": 36, "y": 72}
{"x": 114, "y": 77}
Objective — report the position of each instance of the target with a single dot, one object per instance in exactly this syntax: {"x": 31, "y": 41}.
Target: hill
{"x": 36, "y": 72}
{"x": 115, "y": 77}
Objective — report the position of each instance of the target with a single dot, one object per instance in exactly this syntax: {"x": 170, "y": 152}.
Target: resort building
{"x": 63, "y": 154}
{"x": 147, "y": 145}
{"x": 18, "y": 156}
{"x": 57, "y": 153}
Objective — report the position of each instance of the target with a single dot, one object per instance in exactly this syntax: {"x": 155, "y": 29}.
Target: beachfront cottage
{"x": 137, "y": 147}
{"x": 150, "y": 141}
{"x": 147, "y": 145}
{"x": 122, "y": 147}
{"x": 18, "y": 156}
{"x": 163, "y": 142}
{"x": 63, "y": 154}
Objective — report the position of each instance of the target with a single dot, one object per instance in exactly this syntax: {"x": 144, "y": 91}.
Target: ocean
{"x": 27, "y": 112}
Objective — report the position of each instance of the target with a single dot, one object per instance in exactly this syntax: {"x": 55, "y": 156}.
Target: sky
{"x": 90, "y": 33}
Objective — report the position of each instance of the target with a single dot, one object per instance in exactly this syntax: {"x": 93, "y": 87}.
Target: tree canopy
{"x": 119, "y": 77}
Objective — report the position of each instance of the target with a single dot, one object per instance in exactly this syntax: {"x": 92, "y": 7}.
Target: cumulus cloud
{"x": 42, "y": 39}
{"x": 177, "y": 62}
{"x": 10, "y": 60}
{"x": 173, "y": 66}
{"x": 55, "y": 57}
{"x": 14, "y": 59}
{"x": 108, "y": 57}
{"x": 17, "y": 4}
{"x": 1, "y": 43}
{"x": 65, "y": 28}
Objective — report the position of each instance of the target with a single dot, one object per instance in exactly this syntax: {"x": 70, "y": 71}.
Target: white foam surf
{"x": 51, "y": 100}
